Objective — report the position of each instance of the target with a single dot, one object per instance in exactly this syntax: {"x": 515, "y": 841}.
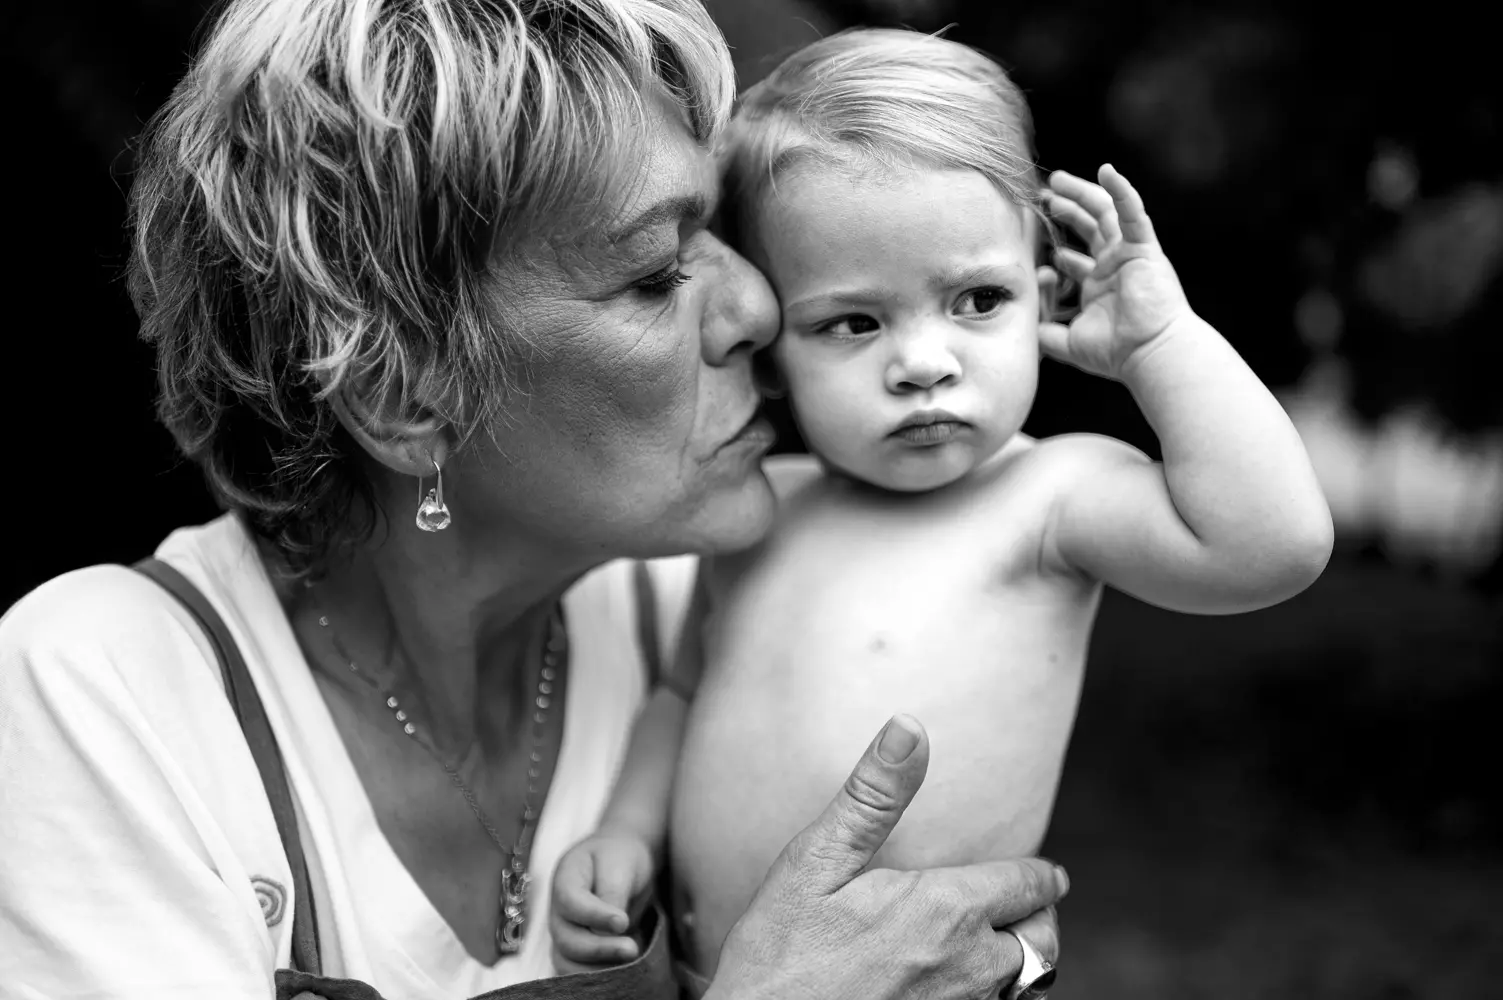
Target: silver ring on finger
{"x": 1034, "y": 978}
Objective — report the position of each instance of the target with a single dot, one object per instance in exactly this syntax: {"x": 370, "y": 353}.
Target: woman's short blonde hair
{"x": 882, "y": 98}
{"x": 320, "y": 201}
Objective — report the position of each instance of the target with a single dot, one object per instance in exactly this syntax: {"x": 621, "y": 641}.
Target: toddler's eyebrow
{"x": 844, "y": 297}
{"x": 975, "y": 274}
{"x": 955, "y": 277}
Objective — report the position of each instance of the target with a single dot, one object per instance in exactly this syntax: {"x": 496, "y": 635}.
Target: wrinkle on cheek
{"x": 648, "y": 361}
{"x": 611, "y": 381}
{"x": 614, "y": 384}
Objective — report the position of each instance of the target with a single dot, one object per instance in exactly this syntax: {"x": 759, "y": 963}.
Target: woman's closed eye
{"x": 983, "y": 301}
{"x": 661, "y": 284}
{"x": 847, "y": 326}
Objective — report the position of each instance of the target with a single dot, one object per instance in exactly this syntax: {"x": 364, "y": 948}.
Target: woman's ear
{"x": 413, "y": 445}
{"x": 1049, "y": 293}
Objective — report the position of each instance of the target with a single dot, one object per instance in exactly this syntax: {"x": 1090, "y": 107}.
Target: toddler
{"x": 930, "y": 558}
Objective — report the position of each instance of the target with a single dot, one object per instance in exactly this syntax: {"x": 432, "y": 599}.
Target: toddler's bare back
{"x": 860, "y": 606}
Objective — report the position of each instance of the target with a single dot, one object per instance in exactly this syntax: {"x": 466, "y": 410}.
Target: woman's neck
{"x": 456, "y": 634}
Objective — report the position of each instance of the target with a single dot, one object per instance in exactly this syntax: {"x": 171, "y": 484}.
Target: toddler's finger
{"x": 1133, "y": 217}
{"x": 614, "y": 885}
{"x": 1076, "y": 265}
{"x": 563, "y": 965}
{"x": 1054, "y": 340}
{"x": 574, "y": 896}
{"x": 585, "y": 947}
{"x": 1078, "y": 219}
{"x": 589, "y": 910}
{"x": 573, "y": 881}
{"x": 1093, "y": 197}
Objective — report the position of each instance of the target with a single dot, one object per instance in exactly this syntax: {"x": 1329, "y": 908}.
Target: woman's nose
{"x": 922, "y": 361}
{"x": 741, "y": 313}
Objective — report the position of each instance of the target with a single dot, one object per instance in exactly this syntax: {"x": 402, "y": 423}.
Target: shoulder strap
{"x": 263, "y": 747}
{"x": 666, "y": 669}
{"x": 647, "y": 624}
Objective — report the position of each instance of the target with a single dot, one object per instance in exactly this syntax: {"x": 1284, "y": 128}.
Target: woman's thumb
{"x": 837, "y": 846}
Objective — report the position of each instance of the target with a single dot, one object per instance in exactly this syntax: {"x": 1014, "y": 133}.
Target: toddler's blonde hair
{"x": 881, "y": 98}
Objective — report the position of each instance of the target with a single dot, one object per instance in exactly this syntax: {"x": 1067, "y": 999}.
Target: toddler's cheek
{"x": 825, "y": 426}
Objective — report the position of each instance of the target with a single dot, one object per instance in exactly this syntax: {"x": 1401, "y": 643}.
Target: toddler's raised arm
{"x": 1233, "y": 519}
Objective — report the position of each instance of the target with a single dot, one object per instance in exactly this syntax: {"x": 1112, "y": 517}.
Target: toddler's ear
{"x": 1049, "y": 293}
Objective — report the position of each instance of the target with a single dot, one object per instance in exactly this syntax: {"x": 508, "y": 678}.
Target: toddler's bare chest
{"x": 870, "y": 597}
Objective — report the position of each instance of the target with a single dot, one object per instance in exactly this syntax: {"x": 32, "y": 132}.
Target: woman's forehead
{"x": 670, "y": 181}
{"x": 674, "y": 181}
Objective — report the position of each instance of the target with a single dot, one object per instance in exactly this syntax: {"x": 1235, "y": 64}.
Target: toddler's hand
{"x": 1129, "y": 293}
{"x": 593, "y": 890}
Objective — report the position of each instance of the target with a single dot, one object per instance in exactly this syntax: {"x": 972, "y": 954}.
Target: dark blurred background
{"x": 1301, "y": 802}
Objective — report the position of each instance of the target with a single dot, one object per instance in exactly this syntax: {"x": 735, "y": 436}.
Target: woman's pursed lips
{"x": 756, "y": 431}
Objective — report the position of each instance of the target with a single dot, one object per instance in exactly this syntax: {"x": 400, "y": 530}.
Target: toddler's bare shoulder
{"x": 1067, "y": 457}
{"x": 1030, "y": 475}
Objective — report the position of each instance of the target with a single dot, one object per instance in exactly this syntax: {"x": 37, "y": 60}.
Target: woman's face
{"x": 633, "y": 429}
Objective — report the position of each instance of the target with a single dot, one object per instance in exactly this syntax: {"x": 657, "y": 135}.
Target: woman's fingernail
{"x": 898, "y": 739}
{"x": 1063, "y": 879}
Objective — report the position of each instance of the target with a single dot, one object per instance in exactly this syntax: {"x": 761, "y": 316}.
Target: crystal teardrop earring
{"x": 432, "y": 512}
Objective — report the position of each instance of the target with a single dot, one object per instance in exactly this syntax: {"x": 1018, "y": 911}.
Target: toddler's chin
{"x": 925, "y": 481}
{"x": 916, "y": 474}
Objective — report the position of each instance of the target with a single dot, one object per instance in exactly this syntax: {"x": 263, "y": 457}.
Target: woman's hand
{"x": 821, "y": 926}
{"x": 1129, "y": 293}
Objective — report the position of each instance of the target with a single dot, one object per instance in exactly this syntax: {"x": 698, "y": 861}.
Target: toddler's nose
{"x": 922, "y": 362}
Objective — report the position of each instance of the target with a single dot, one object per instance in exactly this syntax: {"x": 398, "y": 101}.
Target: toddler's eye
{"x": 847, "y": 326}
{"x": 983, "y": 301}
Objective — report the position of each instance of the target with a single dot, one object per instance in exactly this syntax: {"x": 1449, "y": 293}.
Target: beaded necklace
{"x": 511, "y": 925}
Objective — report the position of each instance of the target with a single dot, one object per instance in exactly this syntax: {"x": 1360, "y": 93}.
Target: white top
{"x": 138, "y": 854}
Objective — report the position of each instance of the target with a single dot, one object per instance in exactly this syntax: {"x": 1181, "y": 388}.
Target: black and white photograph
{"x": 752, "y": 500}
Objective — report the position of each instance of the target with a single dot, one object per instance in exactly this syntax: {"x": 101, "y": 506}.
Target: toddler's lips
{"x": 928, "y": 435}
{"x": 930, "y": 427}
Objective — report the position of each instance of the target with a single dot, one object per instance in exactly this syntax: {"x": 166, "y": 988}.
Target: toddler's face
{"x": 909, "y": 345}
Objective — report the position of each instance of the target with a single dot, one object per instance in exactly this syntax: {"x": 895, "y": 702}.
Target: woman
{"x": 438, "y": 314}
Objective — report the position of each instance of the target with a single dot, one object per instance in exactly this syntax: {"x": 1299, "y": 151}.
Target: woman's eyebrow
{"x": 674, "y": 208}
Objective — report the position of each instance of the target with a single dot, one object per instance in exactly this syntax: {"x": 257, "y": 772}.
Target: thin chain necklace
{"x": 511, "y": 925}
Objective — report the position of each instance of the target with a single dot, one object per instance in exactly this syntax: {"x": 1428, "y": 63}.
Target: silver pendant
{"x": 513, "y": 925}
